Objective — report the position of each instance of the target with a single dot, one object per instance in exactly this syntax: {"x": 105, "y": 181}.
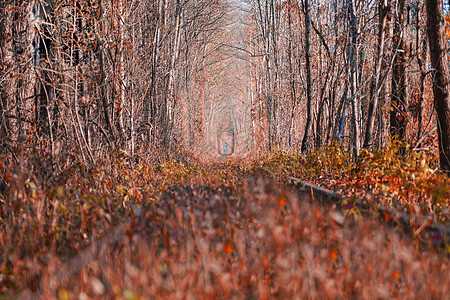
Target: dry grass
{"x": 177, "y": 229}
{"x": 265, "y": 243}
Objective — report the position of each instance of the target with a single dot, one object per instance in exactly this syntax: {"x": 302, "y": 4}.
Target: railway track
{"x": 424, "y": 228}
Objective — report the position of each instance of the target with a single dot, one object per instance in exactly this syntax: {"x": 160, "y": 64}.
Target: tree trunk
{"x": 122, "y": 84}
{"x": 170, "y": 94}
{"x": 355, "y": 98}
{"x": 421, "y": 44}
{"x": 8, "y": 125}
{"x": 438, "y": 54}
{"x": 385, "y": 89}
{"x": 293, "y": 92}
{"x": 399, "y": 100}
{"x": 309, "y": 100}
{"x": 374, "y": 88}
{"x": 322, "y": 103}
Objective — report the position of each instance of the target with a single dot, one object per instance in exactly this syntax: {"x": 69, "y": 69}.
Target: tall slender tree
{"x": 439, "y": 61}
{"x": 306, "y": 142}
{"x": 383, "y": 7}
{"x": 399, "y": 100}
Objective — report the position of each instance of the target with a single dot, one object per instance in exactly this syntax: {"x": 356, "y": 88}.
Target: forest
{"x": 217, "y": 149}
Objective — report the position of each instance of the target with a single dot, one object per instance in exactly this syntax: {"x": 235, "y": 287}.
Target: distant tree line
{"x": 91, "y": 76}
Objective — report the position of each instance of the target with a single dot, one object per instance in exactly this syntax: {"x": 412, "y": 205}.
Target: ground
{"x": 181, "y": 228}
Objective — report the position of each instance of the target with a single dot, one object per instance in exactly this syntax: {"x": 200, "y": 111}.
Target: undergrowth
{"x": 259, "y": 243}
{"x": 411, "y": 181}
{"x": 52, "y": 211}
{"x": 61, "y": 207}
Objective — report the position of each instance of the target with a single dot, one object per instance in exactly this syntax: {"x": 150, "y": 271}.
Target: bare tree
{"x": 375, "y": 88}
{"x": 309, "y": 100}
{"x": 438, "y": 53}
{"x": 399, "y": 101}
